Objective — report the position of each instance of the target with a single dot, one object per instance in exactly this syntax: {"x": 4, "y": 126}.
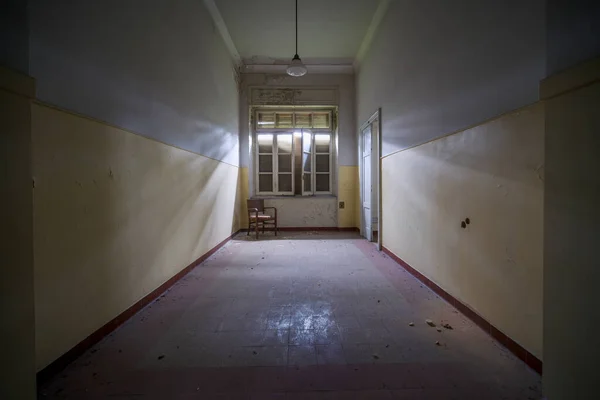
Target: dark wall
{"x": 14, "y": 35}
{"x": 573, "y": 32}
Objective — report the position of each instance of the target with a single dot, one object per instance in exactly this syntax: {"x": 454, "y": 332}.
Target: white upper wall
{"x": 438, "y": 66}
{"x": 157, "y": 68}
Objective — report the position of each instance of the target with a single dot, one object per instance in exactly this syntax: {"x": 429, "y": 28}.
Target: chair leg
{"x": 275, "y": 227}
{"x": 249, "y": 227}
{"x": 256, "y": 229}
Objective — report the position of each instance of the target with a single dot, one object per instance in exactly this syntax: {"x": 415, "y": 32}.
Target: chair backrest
{"x": 256, "y": 203}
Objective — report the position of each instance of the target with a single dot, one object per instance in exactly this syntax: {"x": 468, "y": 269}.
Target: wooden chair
{"x": 257, "y": 217}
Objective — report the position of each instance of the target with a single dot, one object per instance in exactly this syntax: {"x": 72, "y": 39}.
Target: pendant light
{"x": 296, "y": 67}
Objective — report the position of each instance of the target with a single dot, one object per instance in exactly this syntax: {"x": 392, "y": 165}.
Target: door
{"x": 366, "y": 182}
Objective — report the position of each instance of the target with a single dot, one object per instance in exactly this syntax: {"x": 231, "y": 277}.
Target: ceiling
{"x": 330, "y": 32}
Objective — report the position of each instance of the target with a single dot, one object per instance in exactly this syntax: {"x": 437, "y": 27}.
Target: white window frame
{"x": 259, "y": 130}
{"x": 275, "y": 167}
{"x": 314, "y": 161}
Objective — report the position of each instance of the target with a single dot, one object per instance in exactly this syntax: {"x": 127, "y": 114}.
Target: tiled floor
{"x": 306, "y": 316}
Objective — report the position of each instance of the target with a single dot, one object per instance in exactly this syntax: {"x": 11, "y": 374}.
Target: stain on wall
{"x": 347, "y": 147}
{"x": 305, "y": 212}
{"x": 491, "y": 174}
{"x": 115, "y": 216}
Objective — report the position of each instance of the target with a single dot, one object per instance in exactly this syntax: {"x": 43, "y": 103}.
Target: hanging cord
{"x": 296, "y": 27}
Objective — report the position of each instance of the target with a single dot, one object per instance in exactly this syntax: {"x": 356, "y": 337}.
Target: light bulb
{"x": 296, "y": 67}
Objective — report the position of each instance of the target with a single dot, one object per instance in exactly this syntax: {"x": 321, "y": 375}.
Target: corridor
{"x": 309, "y": 315}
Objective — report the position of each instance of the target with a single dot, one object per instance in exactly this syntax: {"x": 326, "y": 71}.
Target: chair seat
{"x": 261, "y": 217}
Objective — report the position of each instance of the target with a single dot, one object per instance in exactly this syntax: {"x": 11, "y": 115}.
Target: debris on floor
{"x": 231, "y": 310}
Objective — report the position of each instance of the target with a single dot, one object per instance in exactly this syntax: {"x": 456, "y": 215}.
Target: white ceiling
{"x": 330, "y": 32}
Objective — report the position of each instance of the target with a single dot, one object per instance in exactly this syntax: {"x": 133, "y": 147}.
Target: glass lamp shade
{"x": 296, "y": 67}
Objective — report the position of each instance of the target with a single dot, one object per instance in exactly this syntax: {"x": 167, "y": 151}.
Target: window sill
{"x": 269, "y": 196}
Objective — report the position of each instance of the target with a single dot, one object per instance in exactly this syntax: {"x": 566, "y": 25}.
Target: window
{"x": 293, "y": 153}
{"x": 275, "y": 163}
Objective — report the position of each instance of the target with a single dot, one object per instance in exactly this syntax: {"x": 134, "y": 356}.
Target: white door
{"x": 366, "y": 186}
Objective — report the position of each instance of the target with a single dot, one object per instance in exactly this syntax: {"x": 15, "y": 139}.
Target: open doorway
{"x": 370, "y": 178}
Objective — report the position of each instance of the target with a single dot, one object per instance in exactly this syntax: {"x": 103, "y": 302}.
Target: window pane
{"x": 322, "y": 162}
{"x": 307, "y": 186}
{"x": 284, "y": 120}
{"x": 265, "y": 163}
{"x": 322, "y": 182}
{"x": 266, "y": 120}
{"x": 321, "y": 120}
{"x": 306, "y": 166}
{"x": 285, "y": 182}
{"x": 284, "y": 162}
{"x": 307, "y": 142}
{"x": 303, "y": 120}
{"x": 265, "y": 183}
{"x": 322, "y": 143}
{"x": 284, "y": 143}
{"x": 265, "y": 143}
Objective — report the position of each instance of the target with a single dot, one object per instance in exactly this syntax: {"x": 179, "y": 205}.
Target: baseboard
{"x": 532, "y": 361}
{"x": 312, "y": 228}
{"x": 79, "y": 349}
{"x": 317, "y": 228}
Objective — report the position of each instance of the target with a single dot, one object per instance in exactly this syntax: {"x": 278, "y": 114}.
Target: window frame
{"x": 275, "y": 165}
{"x": 258, "y": 130}
{"x": 314, "y": 161}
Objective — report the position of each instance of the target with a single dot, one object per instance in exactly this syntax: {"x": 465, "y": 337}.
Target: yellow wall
{"x": 348, "y": 193}
{"x": 17, "y": 379}
{"x": 115, "y": 216}
{"x": 493, "y": 174}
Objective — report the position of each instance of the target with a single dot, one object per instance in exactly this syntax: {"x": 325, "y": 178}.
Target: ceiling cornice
{"x": 368, "y": 39}
{"x": 313, "y": 69}
{"x": 220, "y": 24}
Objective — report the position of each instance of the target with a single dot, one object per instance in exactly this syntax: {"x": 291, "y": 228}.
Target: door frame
{"x": 375, "y": 170}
